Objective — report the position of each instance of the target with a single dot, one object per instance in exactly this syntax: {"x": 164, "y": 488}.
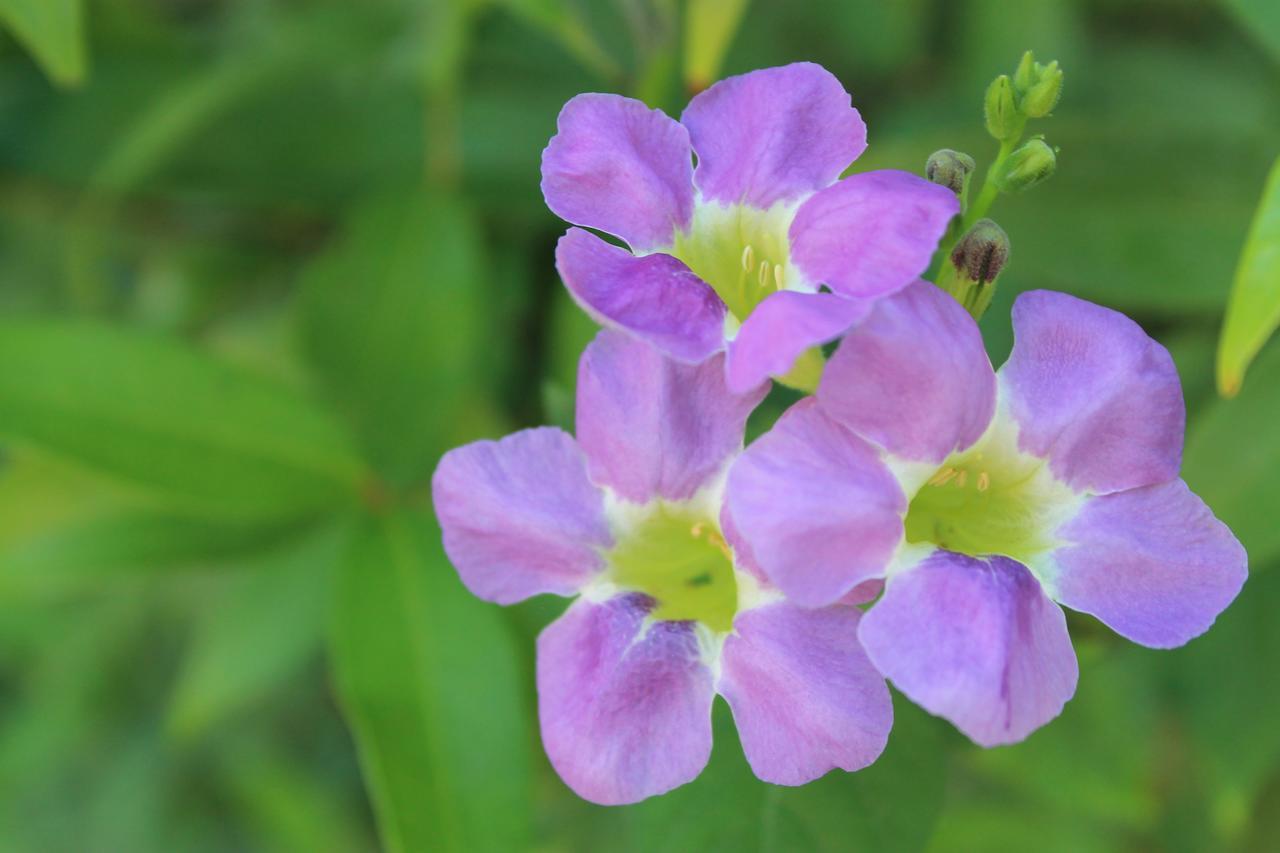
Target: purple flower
{"x": 983, "y": 498}
{"x": 629, "y": 517}
{"x": 738, "y": 247}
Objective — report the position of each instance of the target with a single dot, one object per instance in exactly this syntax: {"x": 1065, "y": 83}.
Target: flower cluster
{"x": 915, "y": 520}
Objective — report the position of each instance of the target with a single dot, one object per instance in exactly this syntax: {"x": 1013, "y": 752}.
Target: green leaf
{"x": 289, "y": 807}
{"x": 427, "y": 678}
{"x": 1227, "y": 688}
{"x": 565, "y": 24}
{"x": 53, "y": 30}
{"x": 1253, "y": 310}
{"x": 160, "y": 414}
{"x": 256, "y": 636}
{"x": 1231, "y": 459}
{"x": 709, "y": 29}
{"x": 101, "y": 550}
{"x": 1262, "y": 19}
{"x": 391, "y": 317}
{"x": 891, "y": 805}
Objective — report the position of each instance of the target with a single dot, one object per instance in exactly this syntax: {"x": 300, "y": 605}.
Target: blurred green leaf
{"x": 566, "y": 25}
{"x": 1253, "y": 310}
{"x": 53, "y": 30}
{"x": 1262, "y": 19}
{"x": 100, "y": 550}
{"x": 1226, "y": 684}
{"x": 1232, "y": 458}
{"x": 709, "y": 27}
{"x": 891, "y": 805}
{"x": 427, "y": 679}
{"x": 257, "y": 635}
{"x": 1090, "y": 764}
{"x": 287, "y": 805}
{"x": 391, "y": 317}
{"x": 164, "y": 415}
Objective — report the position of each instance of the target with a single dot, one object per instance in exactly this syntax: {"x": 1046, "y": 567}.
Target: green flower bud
{"x": 1025, "y": 77}
{"x": 950, "y": 169}
{"x": 1027, "y": 166}
{"x": 981, "y": 253}
{"x": 1043, "y": 96}
{"x": 1003, "y": 119}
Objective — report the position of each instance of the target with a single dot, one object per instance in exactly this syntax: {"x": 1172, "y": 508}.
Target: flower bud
{"x": 1027, "y": 166}
{"x": 1003, "y": 119}
{"x": 1043, "y": 95}
{"x": 950, "y": 169}
{"x": 1025, "y": 77}
{"x": 981, "y": 253}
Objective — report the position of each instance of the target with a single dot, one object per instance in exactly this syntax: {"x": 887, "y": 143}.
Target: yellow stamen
{"x": 984, "y": 481}
{"x": 777, "y": 276}
{"x": 941, "y": 478}
{"x": 964, "y": 475}
{"x": 700, "y": 531}
{"x": 748, "y": 258}
{"x": 764, "y": 272}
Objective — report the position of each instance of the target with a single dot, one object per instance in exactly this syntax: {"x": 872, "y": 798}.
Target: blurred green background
{"x": 262, "y": 261}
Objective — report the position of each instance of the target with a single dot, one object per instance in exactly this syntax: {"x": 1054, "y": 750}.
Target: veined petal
{"x": 1093, "y": 393}
{"x": 913, "y": 377}
{"x": 782, "y": 327}
{"x": 772, "y": 135}
{"x": 624, "y": 704}
{"x": 975, "y": 641}
{"x": 819, "y": 510}
{"x": 804, "y": 696}
{"x": 519, "y": 516}
{"x": 654, "y": 297}
{"x": 654, "y": 427}
{"x": 1152, "y": 563}
{"x": 872, "y": 233}
{"x": 616, "y": 165}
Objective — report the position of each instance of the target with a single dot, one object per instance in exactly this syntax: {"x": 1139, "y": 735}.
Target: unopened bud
{"x": 1029, "y": 165}
{"x": 1025, "y": 77}
{"x": 982, "y": 252}
{"x": 1001, "y": 107}
{"x": 949, "y": 169}
{"x": 1042, "y": 97}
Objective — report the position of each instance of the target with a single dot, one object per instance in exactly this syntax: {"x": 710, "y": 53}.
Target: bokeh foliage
{"x": 262, "y": 261}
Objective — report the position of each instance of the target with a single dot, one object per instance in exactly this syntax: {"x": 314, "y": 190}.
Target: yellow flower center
{"x": 741, "y": 251}
{"x": 991, "y": 499}
{"x": 681, "y": 561}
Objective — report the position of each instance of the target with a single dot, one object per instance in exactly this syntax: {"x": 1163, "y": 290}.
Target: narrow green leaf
{"x": 53, "y": 30}
{"x": 390, "y": 318}
{"x": 564, "y": 23}
{"x": 427, "y": 678}
{"x": 166, "y": 416}
{"x": 1253, "y": 310}
{"x": 263, "y": 629}
{"x": 1231, "y": 459}
{"x": 288, "y": 806}
{"x": 709, "y": 29}
{"x": 100, "y": 550}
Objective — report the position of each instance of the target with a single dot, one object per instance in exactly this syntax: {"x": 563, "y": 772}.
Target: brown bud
{"x": 949, "y": 168}
{"x": 982, "y": 252}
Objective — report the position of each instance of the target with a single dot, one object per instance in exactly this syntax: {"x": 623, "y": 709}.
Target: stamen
{"x": 984, "y": 481}
{"x": 764, "y": 273}
{"x": 748, "y": 258}
{"x": 941, "y": 478}
{"x": 964, "y": 475}
{"x": 777, "y": 276}
{"x": 700, "y": 531}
